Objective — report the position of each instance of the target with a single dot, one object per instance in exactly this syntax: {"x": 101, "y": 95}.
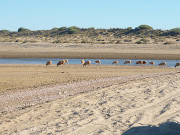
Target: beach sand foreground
{"x": 138, "y": 96}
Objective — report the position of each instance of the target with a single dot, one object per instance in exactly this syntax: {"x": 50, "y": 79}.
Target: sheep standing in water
{"x": 152, "y": 63}
{"x": 98, "y": 61}
{"x": 177, "y": 64}
{"x": 48, "y": 63}
{"x": 115, "y": 62}
{"x": 127, "y": 62}
{"x": 62, "y": 62}
{"x": 82, "y": 61}
{"x": 139, "y": 62}
{"x": 144, "y": 62}
{"x": 163, "y": 64}
{"x": 66, "y": 61}
{"x": 87, "y": 63}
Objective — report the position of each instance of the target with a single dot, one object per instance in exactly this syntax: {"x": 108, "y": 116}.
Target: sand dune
{"x": 113, "y": 109}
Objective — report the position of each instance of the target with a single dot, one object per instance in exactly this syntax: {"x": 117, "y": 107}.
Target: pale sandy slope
{"x": 109, "y": 110}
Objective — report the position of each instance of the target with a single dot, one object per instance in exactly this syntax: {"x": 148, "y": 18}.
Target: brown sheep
{"x": 177, "y": 64}
{"x": 152, "y": 63}
{"x": 62, "y": 62}
{"x": 66, "y": 61}
{"x": 162, "y": 64}
{"x": 48, "y": 63}
{"x": 87, "y": 63}
{"x": 115, "y": 62}
{"x": 82, "y": 61}
{"x": 127, "y": 61}
{"x": 144, "y": 62}
{"x": 98, "y": 61}
{"x": 139, "y": 62}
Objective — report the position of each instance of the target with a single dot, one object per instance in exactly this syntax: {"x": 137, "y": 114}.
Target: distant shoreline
{"x": 89, "y": 55}
{"x": 90, "y": 51}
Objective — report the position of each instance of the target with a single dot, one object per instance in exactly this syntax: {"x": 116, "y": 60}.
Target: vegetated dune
{"x": 117, "y": 106}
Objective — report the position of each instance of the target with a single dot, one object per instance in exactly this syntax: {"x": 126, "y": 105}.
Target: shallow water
{"x": 170, "y": 63}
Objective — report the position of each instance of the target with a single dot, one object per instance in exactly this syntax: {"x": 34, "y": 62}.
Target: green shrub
{"x": 18, "y": 40}
{"x": 84, "y": 41}
{"x": 168, "y": 43}
{"x": 142, "y": 41}
{"x": 4, "y": 31}
{"x": 127, "y": 40}
{"x": 147, "y": 27}
{"x": 55, "y": 29}
{"x": 175, "y": 31}
{"x": 159, "y": 40}
{"x": 72, "y": 30}
{"x": 62, "y": 29}
{"x": 129, "y": 28}
{"x": 23, "y": 29}
{"x": 25, "y": 41}
{"x": 118, "y": 42}
{"x": 57, "y": 41}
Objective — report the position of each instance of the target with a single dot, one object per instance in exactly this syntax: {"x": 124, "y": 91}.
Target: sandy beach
{"x": 97, "y": 99}
{"x": 105, "y": 106}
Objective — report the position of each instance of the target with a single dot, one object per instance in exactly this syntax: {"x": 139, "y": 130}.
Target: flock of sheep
{"x": 84, "y": 63}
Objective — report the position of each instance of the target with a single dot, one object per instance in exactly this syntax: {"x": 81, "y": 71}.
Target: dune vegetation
{"x": 142, "y": 34}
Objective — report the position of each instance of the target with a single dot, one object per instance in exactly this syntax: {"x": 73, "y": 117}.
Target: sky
{"x": 48, "y": 14}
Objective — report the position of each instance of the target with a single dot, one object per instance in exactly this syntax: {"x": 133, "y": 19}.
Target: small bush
{"x": 23, "y": 29}
{"x": 57, "y": 41}
{"x": 118, "y": 42}
{"x": 84, "y": 41}
{"x": 142, "y": 41}
{"x": 175, "y": 30}
{"x": 147, "y": 27}
{"x": 55, "y": 29}
{"x": 127, "y": 40}
{"x": 4, "y": 31}
{"x": 18, "y": 40}
{"x": 62, "y": 29}
{"x": 168, "y": 43}
{"x": 159, "y": 40}
{"x": 25, "y": 41}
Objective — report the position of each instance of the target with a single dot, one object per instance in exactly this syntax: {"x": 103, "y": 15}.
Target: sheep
{"x": 139, "y": 62}
{"x": 82, "y": 61}
{"x": 62, "y": 62}
{"x": 48, "y": 63}
{"x": 144, "y": 62}
{"x": 66, "y": 61}
{"x": 177, "y": 64}
{"x": 162, "y": 64}
{"x": 98, "y": 61}
{"x": 152, "y": 63}
{"x": 87, "y": 63}
{"x": 127, "y": 61}
{"x": 115, "y": 62}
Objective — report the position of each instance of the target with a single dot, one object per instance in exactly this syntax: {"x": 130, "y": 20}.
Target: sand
{"x": 90, "y": 51}
{"x": 122, "y": 105}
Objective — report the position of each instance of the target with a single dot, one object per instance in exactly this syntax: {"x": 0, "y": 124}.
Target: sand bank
{"x": 90, "y": 51}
